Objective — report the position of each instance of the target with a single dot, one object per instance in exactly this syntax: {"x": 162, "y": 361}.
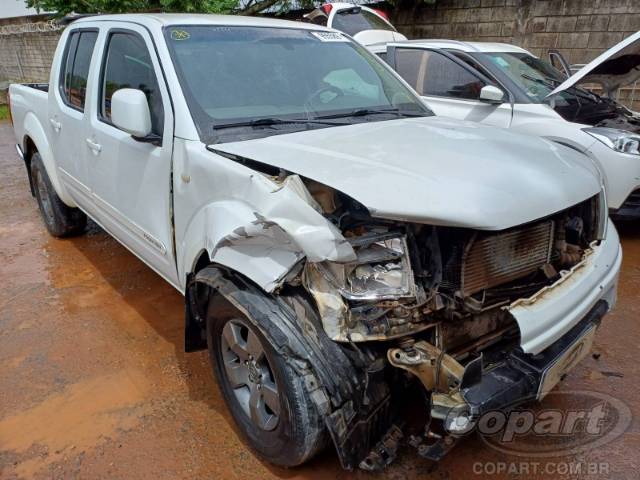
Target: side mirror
{"x": 130, "y": 112}
{"x": 491, "y": 94}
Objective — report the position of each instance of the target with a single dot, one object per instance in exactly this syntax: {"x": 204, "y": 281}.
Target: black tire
{"x": 299, "y": 432}
{"x": 60, "y": 219}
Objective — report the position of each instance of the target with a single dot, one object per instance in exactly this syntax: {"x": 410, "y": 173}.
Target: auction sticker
{"x": 330, "y": 36}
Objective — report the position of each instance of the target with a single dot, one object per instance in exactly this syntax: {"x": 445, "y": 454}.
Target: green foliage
{"x": 4, "y": 112}
{"x": 247, "y": 7}
{"x": 64, "y": 7}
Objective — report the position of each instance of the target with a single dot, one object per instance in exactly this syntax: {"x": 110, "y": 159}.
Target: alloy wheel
{"x": 249, "y": 374}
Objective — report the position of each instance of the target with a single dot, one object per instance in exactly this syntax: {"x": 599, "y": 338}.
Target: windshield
{"x": 257, "y": 77}
{"x": 535, "y": 77}
{"x": 355, "y": 21}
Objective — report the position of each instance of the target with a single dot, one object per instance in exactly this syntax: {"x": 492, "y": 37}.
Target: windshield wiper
{"x": 547, "y": 82}
{"x": 363, "y": 112}
{"x": 269, "y": 121}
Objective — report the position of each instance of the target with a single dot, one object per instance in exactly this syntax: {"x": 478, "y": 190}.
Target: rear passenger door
{"x": 449, "y": 87}
{"x": 131, "y": 178}
{"x": 67, "y": 106}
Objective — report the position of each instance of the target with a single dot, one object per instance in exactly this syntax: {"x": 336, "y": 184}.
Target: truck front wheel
{"x": 60, "y": 219}
{"x": 266, "y": 398}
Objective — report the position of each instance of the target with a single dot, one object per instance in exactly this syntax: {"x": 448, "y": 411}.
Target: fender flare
{"x": 264, "y": 237}
{"x": 33, "y": 130}
{"x": 214, "y": 230}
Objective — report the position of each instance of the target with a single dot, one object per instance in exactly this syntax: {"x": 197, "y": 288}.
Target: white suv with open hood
{"x": 507, "y": 86}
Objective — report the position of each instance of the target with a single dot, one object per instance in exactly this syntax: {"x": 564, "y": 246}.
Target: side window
{"x": 472, "y": 62}
{"x": 431, "y": 73}
{"x": 77, "y": 58}
{"x": 127, "y": 64}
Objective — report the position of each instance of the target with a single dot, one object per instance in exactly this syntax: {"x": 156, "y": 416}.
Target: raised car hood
{"x": 434, "y": 170}
{"x": 615, "y": 68}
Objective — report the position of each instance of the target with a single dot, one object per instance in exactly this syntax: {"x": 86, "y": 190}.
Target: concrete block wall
{"x": 581, "y": 29}
{"x": 26, "y": 57}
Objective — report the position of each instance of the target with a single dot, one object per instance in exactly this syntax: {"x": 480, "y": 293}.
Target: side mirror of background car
{"x": 491, "y": 94}
{"x": 130, "y": 112}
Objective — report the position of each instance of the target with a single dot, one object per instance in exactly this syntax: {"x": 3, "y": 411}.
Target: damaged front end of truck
{"x": 402, "y": 305}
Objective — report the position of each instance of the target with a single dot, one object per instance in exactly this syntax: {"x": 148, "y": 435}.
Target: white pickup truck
{"x": 328, "y": 232}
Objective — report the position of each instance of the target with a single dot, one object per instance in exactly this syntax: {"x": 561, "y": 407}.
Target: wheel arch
{"x": 37, "y": 140}
{"x": 28, "y": 150}
{"x": 288, "y": 319}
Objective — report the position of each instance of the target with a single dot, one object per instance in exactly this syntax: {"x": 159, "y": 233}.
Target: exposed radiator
{"x": 492, "y": 259}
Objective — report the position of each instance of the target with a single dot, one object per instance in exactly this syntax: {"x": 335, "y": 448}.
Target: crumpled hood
{"x": 434, "y": 170}
{"x": 615, "y": 68}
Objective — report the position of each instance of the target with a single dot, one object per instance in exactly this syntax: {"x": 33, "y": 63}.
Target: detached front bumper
{"x": 557, "y": 327}
{"x": 518, "y": 377}
{"x": 523, "y": 377}
{"x": 551, "y": 313}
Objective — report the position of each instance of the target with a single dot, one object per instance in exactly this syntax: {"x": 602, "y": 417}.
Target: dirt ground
{"x": 94, "y": 383}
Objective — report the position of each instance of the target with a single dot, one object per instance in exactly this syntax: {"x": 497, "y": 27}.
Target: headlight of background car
{"x": 382, "y": 270}
{"x": 619, "y": 140}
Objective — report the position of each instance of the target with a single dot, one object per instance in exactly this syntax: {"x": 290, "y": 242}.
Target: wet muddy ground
{"x": 94, "y": 383}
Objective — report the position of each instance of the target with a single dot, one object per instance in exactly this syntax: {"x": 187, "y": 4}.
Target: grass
{"x": 4, "y": 112}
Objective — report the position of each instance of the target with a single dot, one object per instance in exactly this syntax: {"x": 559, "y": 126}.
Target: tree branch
{"x": 258, "y": 7}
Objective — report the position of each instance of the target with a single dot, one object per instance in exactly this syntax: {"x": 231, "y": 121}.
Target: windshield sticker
{"x": 330, "y": 36}
{"x": 180, "y": 35}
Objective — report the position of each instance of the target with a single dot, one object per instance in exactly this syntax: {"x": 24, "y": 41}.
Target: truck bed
{"x": 28, "y": 99}
{"x": 43, "y": 87}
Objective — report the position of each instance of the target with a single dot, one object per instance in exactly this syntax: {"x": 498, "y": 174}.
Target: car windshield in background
{"x": 352, "y": 22}
{"x": 276, "y": 78}
{"x": 535, "y": 77}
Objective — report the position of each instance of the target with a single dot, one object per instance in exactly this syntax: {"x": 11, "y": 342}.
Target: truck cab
{"x": 337, "y": 244}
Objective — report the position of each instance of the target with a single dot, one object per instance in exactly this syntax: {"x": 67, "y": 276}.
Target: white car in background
{"x": 364, "y": 24}
{"x": 507, "y": 86}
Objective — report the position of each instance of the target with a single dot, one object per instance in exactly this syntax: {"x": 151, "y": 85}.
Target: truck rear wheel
{"x": 60, "y": 219}
{"x": 267, "y": 399}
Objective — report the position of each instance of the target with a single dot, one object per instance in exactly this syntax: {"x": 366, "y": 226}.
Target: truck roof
{"x": 165, "y": 19}
{"x": 458, "y": 45}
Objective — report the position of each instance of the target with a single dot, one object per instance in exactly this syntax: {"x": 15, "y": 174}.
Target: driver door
{"x": 449, "y": 87}
{"x": 131, "y": 178}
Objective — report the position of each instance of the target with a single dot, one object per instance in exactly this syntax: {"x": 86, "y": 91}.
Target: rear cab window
{"x": 357, "y": 20}
{"x": 75, "y": 67}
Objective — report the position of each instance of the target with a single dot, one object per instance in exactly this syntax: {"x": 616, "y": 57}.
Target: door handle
{"x": 96, "y": 148}
{"x": 55, "y": 124}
